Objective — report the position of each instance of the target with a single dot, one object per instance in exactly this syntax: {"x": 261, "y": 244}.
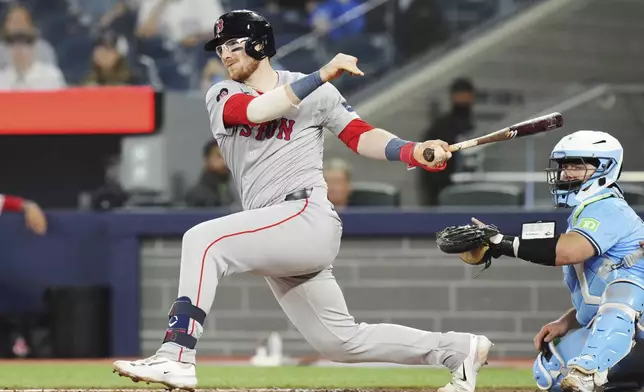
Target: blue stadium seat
{"x": 361, "y": 46}
{"x": 482, "y": 194}
{"x": 374, "y": 194}
{"x": 301, "y": 60}
{"x": 75, "y": 56}
{"x": 170, "y": 76}
{"x": 54, "y": 28}
{"x": 153, "y": 47}
{"x": 283, "y": 39}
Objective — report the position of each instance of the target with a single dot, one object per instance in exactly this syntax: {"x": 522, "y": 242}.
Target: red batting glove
{"x": 407, "y": 156}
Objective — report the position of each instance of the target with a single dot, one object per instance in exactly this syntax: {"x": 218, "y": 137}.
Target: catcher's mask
{"x": 569, "y": 175}
{"x": 582, "y": 165}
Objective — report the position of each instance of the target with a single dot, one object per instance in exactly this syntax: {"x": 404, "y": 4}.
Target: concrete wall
{"x": 398, "y": 280}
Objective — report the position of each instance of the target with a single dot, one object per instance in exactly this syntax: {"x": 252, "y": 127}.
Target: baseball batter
{"x": 269, "y": 125}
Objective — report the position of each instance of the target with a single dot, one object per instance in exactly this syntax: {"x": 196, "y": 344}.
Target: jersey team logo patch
{"x": 222, "y": 93}
{"x": 589, "y": 224}
{"x": 348, "y": 107}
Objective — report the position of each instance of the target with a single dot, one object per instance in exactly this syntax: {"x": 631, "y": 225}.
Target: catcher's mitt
{"x": 470, "y": 242}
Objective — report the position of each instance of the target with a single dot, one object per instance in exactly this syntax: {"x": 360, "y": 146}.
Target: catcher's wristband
{"x": 542, "y": 251}
{"x": 537, "y": 251}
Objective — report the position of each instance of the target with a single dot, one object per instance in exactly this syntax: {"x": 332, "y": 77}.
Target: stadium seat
{"x": 362, "y": 47}
{"x": 75, "y": 57}
{"x": 634, "y": 194}
{"x": 170, "y": 76}
{"x": 302, "y": 60}
{"x": 482, "y": 194}
{"x": 55, "y": 28}
{"x": 153, "y": 47}
{"x": 283, "y": 39}
{"x": 374, "y": 194}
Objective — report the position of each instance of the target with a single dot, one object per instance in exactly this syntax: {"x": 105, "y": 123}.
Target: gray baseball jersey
{"x": 276, "y": 158}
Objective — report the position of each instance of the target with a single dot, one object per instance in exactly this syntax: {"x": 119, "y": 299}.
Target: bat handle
{"x": 428, "y": 154}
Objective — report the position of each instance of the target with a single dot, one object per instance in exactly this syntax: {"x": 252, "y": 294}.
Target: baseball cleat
{"x": 464, "y": 378}
{"x": 160, "y": 370}
{"x": 578, "y": 381}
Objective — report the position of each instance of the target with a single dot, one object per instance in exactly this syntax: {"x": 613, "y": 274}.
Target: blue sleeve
{"x": 603, "y": 224}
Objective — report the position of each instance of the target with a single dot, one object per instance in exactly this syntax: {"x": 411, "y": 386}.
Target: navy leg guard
{"x": 613, "y": 330}
{"x": 179, "y": 328}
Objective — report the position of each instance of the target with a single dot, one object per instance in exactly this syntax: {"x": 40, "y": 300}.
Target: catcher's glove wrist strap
{"x": 508, "y": 246}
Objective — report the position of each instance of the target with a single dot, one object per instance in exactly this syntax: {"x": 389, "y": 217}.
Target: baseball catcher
{"x": 601, "y": 254}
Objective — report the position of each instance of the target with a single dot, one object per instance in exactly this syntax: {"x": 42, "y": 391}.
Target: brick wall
{"x": 406, "y": 281}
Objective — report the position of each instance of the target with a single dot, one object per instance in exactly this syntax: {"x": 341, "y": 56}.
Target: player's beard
{"x": 244, "y": 72}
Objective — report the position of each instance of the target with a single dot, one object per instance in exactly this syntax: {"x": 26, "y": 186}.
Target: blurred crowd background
{"x": 58, "y": 44}
{"x": 434, "y": 69}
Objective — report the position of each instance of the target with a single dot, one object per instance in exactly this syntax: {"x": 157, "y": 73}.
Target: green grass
{"x": 75, "y": 375}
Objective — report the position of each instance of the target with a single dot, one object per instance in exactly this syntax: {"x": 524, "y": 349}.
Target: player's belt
{"x": 299, "y": 195}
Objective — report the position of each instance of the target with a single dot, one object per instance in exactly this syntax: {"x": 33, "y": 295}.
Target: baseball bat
{"x": 533, "y": 126}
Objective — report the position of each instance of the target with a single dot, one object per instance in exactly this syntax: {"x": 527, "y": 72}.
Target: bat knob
{"x": 428, "y": 154}
{"x": 558, "y": 120}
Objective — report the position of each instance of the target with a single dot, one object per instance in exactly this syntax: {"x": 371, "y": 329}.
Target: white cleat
{"x": 160, "y": 370}
{"x": 464, "y": 378}
{"x": 578, "y": 381}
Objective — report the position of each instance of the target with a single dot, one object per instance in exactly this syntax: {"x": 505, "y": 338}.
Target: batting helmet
{"x": 241, "y": 24}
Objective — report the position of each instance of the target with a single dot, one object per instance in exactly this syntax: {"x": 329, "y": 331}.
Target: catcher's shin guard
{"x": 550, "y": 366}
{"x": 613, "y": 330}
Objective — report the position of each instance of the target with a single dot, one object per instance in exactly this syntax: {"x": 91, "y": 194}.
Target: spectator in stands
{"x": 24, "y": 72}
{"x": 419, "y": 26}
{"x": 448, "y": 127}
{"x": 324, "y": 14}
{"x": 109, "y": 66}
{"x": 18, "y": 21}
{"x": 215, "y": 187}
{"x": 173, "y": 33}
{"x": 337, "y": 175}
{"x": 214, "y": 72}
{"x": 116, "y": 15}
{"x": 186, "y": 23}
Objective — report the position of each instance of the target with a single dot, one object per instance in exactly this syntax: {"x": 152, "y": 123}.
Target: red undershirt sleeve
{"x": 10, "y": 203}
{"x": 236, "y": 110}
{"x": 350, "y": 135}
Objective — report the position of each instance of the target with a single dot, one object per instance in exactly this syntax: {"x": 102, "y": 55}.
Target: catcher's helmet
{"x": 598, "y": 149}
{"x": 244, "y": 23}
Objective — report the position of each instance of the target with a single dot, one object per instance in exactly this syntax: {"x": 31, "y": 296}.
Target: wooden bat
{"x": 529, "y": 127}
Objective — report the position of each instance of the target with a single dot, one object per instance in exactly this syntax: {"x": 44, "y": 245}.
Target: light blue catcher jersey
{"x": 615, "y": 231}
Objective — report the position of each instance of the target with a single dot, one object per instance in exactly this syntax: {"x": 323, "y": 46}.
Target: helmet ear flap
{"x": 257, "y": 48}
